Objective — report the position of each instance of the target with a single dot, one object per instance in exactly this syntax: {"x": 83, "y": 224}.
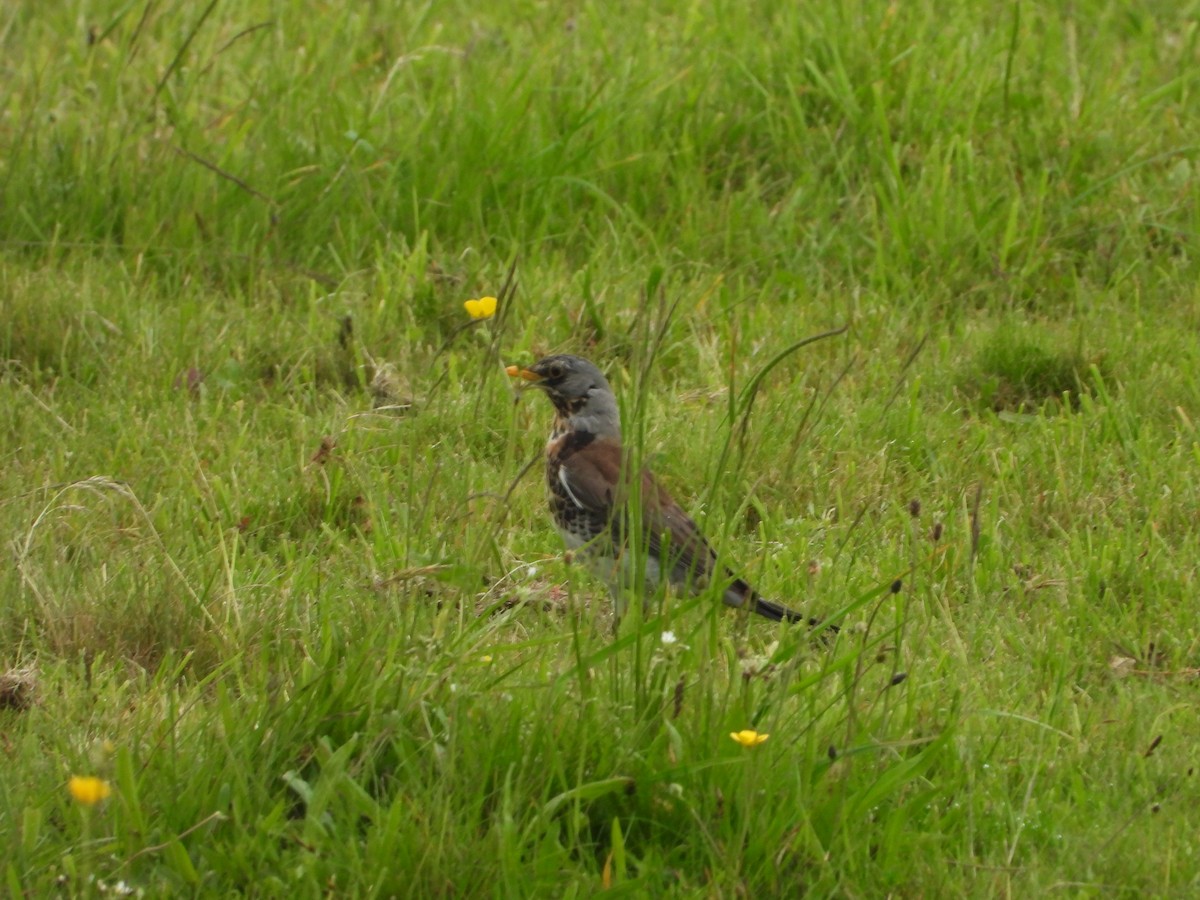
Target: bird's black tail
{"x": 769, "y": 609}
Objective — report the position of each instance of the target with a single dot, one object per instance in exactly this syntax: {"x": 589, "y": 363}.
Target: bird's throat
{"x": 585, "y": 420}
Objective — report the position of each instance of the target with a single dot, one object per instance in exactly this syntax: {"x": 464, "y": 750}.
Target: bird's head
{"x": 579, "y": 391}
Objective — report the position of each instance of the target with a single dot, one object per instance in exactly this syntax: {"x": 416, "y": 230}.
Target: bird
{"x": 589, "y": 498}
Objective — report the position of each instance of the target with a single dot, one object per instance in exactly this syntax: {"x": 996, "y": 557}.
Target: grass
{"x": 274, "y": 575}
{"x": 1016, "y": 370}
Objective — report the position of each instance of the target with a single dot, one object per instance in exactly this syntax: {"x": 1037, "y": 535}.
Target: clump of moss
{"x": 1016, "y": 370}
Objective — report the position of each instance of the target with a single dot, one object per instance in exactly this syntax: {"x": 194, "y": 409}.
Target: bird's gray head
{"x": 578, "y": 390}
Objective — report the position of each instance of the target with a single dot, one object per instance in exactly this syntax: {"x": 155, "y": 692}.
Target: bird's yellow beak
{"x": 527, "y": 374}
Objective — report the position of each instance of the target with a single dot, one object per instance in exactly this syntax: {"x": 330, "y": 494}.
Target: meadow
{"x": 280, "y": 591}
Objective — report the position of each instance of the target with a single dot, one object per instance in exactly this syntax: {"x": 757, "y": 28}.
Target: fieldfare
{"x": 584, "y": 461}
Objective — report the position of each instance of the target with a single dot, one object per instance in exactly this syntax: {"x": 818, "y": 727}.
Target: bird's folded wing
{"x": 671, "y": 532}
{"x": 591, "y": 476}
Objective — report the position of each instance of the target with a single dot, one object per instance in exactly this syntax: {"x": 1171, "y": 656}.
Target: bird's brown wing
{"x": 673, "y": 536}
{"x": 591, "y": 474}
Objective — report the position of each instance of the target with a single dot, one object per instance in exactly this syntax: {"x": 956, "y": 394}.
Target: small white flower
{"x": 531, "y": 571}
{"x": 668, "y": 637}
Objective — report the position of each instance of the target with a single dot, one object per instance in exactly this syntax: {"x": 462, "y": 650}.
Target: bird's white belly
{"x": 617, "y": 572}
{"x": 571, "y": 539}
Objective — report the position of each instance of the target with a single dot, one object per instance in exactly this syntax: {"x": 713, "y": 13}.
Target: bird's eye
{"x": 555, "y": 371}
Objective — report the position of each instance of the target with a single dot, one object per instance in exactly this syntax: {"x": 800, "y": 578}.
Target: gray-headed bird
{"x": 588, "y": 497}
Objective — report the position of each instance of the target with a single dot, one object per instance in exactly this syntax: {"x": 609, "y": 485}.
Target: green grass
{"x": 1016, "y": 369}
{"x": 276, "y": 576}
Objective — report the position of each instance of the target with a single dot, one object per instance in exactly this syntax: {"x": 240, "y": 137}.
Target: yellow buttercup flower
{"x": 748, "y": 738}
{"x": 88, "y": 790}
{"x": 483, "y": 308}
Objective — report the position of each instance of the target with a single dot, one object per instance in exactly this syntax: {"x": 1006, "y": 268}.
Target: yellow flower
{"x": 748, "y": 738}
{"x": 483, "y": 308}
{"x": 87, "y": 789}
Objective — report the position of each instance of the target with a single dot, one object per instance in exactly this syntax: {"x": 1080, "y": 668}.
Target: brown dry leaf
{"x": 1122, "y": 666}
